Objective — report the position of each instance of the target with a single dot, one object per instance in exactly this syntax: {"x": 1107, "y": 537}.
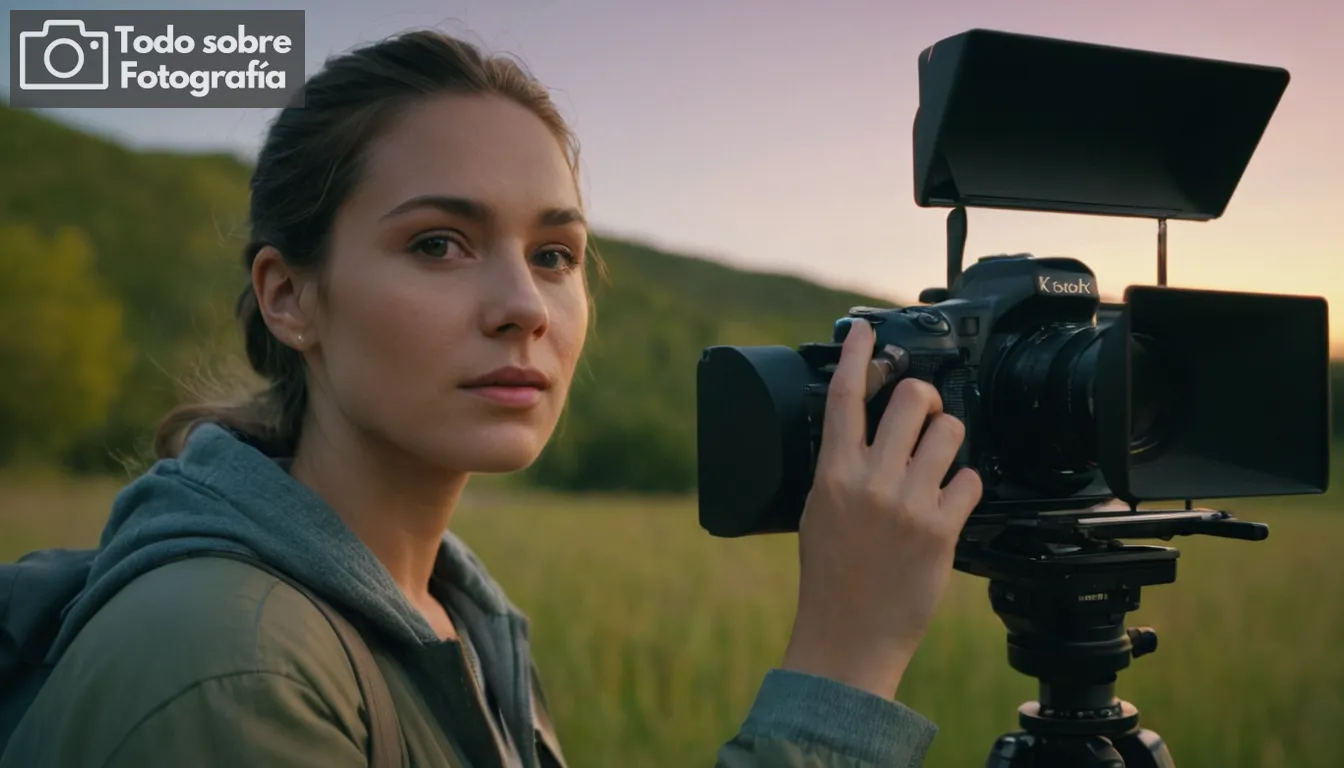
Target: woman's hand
{"x": 877, "y": 535}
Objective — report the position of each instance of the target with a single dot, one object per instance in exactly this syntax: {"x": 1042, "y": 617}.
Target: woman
{"x": 418, "y": 303}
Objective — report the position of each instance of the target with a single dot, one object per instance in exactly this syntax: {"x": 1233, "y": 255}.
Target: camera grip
{"x": 954, "y": 382}
{"x": 941, "y": 367}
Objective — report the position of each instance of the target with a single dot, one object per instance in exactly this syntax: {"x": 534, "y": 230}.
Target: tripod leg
{"x": 1144, "y": 749}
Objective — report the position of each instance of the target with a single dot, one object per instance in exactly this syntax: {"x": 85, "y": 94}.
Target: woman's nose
{"x": 513, "y": 300}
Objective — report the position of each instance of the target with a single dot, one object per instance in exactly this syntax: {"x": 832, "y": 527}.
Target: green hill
{"x": 151, "y": 249}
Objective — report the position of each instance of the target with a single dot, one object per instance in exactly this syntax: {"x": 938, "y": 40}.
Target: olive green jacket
{"x": 213, "y": 662}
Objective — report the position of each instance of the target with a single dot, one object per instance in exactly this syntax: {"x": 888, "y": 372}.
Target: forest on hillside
{"x": 119, "y": 270}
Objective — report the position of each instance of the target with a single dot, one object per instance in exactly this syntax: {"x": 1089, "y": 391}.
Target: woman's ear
{"x": 279, "y": 288}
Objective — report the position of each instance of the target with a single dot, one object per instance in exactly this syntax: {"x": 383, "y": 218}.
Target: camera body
{"x": 1013, "y": 354}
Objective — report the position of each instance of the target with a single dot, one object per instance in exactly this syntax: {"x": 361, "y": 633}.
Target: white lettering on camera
{"x": 1048, "y": 284}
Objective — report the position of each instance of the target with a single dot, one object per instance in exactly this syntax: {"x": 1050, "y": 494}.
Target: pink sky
{"x": 777, "y": 135}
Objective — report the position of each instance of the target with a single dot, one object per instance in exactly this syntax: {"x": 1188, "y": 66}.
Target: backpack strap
{"x": 33, "y": 590}
{"x": 545, "y": 725}
{"x": 386, "y": 749}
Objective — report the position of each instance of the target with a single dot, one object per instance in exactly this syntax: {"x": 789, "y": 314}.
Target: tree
{"x": 61, "y": 343}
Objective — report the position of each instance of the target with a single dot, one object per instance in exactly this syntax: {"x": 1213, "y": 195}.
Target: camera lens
{"x": 1040, "y": 408}
{"x": 1152, "y": 395}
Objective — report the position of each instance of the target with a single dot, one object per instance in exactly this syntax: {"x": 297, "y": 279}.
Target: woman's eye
{"x": 557, "y": 259}
{"x": 436, "y": 246}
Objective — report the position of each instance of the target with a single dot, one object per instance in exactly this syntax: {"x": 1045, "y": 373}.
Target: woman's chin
{"x": 499, "y": 463}
{"x": 495, "y": 451}
{"x": 489, "y": 448}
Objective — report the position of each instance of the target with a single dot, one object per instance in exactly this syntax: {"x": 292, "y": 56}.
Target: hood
{"x": 222, "y": 493}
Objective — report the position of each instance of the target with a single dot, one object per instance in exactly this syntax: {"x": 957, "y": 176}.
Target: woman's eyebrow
{"x": 482, "y": 212}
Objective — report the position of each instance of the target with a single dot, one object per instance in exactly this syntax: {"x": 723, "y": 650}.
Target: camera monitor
{"x": 1032, "y": 123}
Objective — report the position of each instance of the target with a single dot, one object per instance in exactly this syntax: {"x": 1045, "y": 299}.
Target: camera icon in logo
{"x": 64, "y": 56}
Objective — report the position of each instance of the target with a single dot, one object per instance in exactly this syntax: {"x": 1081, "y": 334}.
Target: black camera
{"x": 1068, "y": 402}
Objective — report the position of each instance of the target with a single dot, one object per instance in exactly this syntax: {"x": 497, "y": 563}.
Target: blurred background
{"x": 747, "y": 167}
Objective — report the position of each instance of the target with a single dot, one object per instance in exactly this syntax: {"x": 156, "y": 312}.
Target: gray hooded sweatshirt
{"x": 222, "y": 493}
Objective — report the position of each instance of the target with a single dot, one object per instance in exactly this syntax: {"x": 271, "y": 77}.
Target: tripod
{"x": 1062, "y": 585}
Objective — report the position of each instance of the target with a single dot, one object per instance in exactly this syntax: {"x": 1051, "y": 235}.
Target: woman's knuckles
{"x": 949, "y": 427}
{"x": 836, "y": 482}
{"x": 917, "y": 395}
{"x": 880, "y": 495}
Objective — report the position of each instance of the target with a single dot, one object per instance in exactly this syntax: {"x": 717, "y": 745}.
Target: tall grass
{"x": 652, "y": 636}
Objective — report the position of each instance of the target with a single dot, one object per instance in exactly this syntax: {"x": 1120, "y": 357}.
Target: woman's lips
{"x": 509, "y": 397}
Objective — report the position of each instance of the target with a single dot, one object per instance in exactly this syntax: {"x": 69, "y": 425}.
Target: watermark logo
{"x": 156, "y": 58}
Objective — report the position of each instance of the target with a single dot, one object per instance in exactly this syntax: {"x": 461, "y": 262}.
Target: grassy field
{"x": 653, "y": 636}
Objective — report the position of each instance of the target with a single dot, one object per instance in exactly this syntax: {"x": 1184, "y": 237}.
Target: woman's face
{"x": 455, "y": 307}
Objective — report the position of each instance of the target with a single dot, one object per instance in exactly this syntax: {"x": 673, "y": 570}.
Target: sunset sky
{"x": 776, "y": 135}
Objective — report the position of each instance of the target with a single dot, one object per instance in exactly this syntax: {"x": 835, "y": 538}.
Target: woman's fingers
{"x": 915, "y": 441}
{"x": 937, "y": 448}
{"x": 913, "y": 402}
{"x": 845, "y": 426}
{"x": 961, "y": 495}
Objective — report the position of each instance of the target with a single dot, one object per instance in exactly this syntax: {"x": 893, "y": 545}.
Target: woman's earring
{"x": 299, "y": 338}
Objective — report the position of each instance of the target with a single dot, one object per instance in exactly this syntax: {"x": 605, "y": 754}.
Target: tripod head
{"x": 1062, "y": 582}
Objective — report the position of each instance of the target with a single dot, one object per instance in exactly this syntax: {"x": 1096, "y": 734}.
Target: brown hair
{"x": 310, "y": 162}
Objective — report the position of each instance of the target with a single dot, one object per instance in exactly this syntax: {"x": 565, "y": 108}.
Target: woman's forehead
{"x": 471, "y": 147}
